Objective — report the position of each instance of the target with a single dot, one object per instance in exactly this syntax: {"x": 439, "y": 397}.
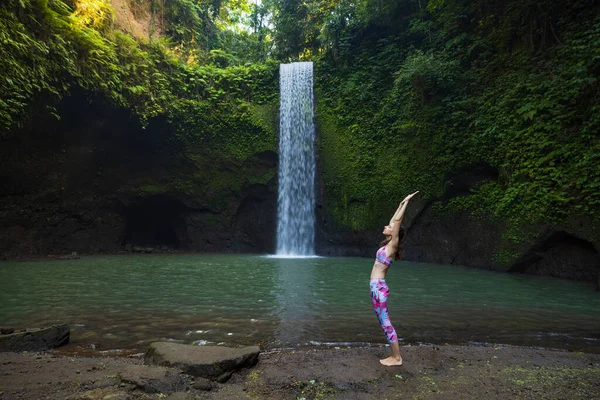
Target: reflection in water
{"x": 294, "y": 292}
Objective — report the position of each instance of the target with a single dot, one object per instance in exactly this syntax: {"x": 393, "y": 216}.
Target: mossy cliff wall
{"x": 109, "y": 141}
{"x": 489, "y": 109}
{"x": 491, "y": 112}
{"x": 96, "y": 181}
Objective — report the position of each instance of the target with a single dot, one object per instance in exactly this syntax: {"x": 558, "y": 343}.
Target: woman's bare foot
{"x": 391, "y": 362}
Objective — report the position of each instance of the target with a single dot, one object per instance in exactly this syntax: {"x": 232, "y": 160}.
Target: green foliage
{"x": 542, "y": 118}
{"x": 47, "y": 49}
{"x": 21, "y": 61}
{"x": 97, "y": 15}
{"x": 188, "y": 23}
{"x": 464, "y": 84}
{"x": 408, "y": 93}
{"x": 220, "y": 115}
{"x": 379, "y": 118}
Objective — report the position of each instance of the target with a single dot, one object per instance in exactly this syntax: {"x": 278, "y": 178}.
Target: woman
{"x": 391, "y": 249}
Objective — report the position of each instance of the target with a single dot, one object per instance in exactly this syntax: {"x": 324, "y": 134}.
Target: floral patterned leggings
{"x": 379, "y": 296}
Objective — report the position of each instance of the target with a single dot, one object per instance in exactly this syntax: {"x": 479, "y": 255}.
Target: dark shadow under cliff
{"x": 96, "y": 181}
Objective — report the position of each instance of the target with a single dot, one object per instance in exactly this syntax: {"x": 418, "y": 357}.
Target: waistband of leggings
{"x": 377, "y": 280}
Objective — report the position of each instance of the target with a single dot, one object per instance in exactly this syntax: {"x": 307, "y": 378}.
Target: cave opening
{"x": 157, "y": 221}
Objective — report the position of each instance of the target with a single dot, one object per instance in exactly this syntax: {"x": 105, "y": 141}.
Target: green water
{"x": 126, "y": 302}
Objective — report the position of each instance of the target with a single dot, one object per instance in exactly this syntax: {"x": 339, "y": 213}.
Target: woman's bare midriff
{"x": 379, "y": 270}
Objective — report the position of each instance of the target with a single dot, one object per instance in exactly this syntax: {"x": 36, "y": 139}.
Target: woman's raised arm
{"x": 397, "y": 221}
{"x": 399, "y": 214}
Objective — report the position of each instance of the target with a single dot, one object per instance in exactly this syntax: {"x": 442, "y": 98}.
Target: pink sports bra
{"x": 383, "y": 258}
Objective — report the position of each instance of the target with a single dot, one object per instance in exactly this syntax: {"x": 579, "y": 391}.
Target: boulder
{"x": 216, "y": 363}
{"x": 35, "y": 339}
{"x": 152, "y": 379}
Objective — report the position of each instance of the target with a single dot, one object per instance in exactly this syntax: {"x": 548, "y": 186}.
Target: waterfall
{"x": 296, "y": 196}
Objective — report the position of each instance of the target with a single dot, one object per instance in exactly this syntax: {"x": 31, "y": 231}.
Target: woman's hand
{"x": 401, "y": 208}
{"x": 410, "y": 196}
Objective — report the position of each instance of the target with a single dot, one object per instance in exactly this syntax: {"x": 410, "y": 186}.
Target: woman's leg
{"x": 379, "y": 296}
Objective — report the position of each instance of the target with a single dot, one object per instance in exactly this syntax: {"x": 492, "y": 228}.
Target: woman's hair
{"x": 401, "y": 236}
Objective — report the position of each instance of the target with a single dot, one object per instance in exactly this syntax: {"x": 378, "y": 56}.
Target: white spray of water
{"x": 296, "y": 197}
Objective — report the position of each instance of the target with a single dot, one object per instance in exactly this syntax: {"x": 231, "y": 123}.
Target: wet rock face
{"x": 435, "y": 235}
{"x": 561, "y": 255}
{"x": 453, "y": 238}
{"x": 155, "y": 221}
{"x": 255, "y": 220}
{"x": 250, "y": 229}
{"x": 216, "y": 363}
{"x": 461, "y": 239}
{"x": 332, "y": 240}
{"x": 457, "y": 239}
{"x": 96, "y": 182}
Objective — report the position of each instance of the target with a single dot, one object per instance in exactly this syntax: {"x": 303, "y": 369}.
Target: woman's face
{"x": 387, "y": 230}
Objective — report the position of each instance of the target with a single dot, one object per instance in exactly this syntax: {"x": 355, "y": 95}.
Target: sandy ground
{"x": 429, "y": 372}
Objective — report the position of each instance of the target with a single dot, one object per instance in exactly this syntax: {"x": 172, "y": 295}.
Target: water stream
{"x": 296, "y": 196}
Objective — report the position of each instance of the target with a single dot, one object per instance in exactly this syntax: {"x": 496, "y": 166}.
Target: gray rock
{"x": 116, "y": 396}
{"x": 152, "y": 379}
{"x": 104, "y": 383}
{"x": 35, "y": 339}
{"x": 559, "y": 254}
{"x": 212, "y": 362}
{"x": 180, "y": 396}
{"x": 204, "y": 384}
{"x": 224, "y": 377}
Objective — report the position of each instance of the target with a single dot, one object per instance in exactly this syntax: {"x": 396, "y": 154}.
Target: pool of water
{"x": 126, "y": 302}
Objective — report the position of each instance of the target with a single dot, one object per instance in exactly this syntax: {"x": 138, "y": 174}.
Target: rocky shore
{"x": 429, "y": 372}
